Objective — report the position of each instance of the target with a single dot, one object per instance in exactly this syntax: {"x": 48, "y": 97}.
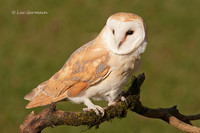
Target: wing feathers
{"x": 86, "y": 67}
{"x": 40, "y": 100}
{"x": 76, "y": 89}
{"x": 35, "y": 91}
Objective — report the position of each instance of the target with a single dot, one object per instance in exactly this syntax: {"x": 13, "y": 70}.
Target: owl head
{"x": 124, "y": 33}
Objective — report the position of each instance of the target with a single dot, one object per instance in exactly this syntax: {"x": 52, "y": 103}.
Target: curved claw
{"x": 97, "y": 109}
{"x": 100, "y": 109}
{"x": 90, "y": 106}
{"x": 112, "y": 103}
{"x": 122, "y": 98}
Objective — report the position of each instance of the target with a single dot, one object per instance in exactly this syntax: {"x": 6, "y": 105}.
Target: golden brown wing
{"x": 86, "y": 67}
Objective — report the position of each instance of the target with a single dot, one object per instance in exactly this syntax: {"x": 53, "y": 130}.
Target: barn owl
{"x": 99, "y": 69}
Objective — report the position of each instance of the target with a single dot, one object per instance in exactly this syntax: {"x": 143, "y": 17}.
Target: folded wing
{"x": 86, "y": 67}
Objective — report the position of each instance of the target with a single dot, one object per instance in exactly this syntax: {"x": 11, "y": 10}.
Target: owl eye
{"x": 129, "y": 32}
{"x": 113, "y": 31}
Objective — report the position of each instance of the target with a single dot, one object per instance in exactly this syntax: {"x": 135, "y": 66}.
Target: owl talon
{"x": 97, "y": 109}
{"x": 123, "y": 99}
{"x": 112, "y": 103}
{"x": 100, "y": 109}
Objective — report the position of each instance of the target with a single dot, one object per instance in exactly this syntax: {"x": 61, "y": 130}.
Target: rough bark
{"x": 50, "y": 117}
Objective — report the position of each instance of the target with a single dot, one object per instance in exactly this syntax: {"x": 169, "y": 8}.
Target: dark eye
{"x": 113, "y": 31}
{"x": 129, "y": 32}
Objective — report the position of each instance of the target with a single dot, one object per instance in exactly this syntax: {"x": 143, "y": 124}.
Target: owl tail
{"x": 35, "y": 91}
{"x": 39, "y": 100}
{"x": 37, "y": 97}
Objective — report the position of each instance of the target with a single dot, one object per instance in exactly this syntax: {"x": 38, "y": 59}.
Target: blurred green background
{"x": 34, "y": 47}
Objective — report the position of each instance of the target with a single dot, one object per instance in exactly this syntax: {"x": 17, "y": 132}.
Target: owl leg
{"x": 90, "y": 106}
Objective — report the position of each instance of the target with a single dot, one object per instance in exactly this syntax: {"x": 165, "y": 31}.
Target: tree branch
{"x": 50, "y": 117}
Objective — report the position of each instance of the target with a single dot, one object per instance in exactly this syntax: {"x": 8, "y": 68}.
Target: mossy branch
{"x": 50, "y": 117}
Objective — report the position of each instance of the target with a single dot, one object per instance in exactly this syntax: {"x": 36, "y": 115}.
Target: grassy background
{"x": 34, "y": 47}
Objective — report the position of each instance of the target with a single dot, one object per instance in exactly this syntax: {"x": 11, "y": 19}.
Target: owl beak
{"x": 121, "y": 43}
